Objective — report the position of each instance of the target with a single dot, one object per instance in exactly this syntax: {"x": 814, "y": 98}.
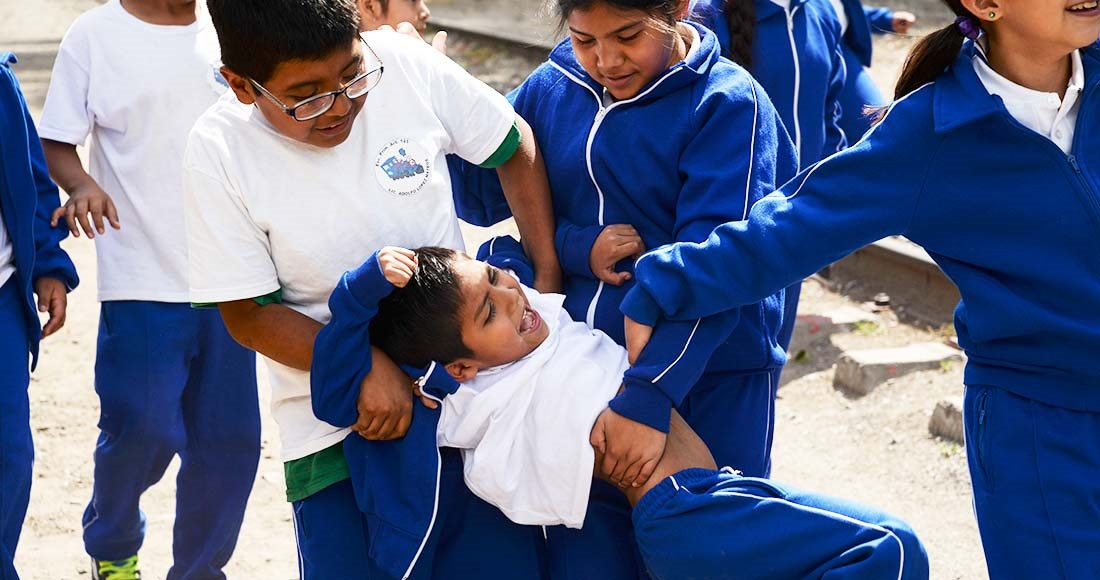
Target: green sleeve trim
{"x": 275, "y": 297}
{"x": 506, "y": 150}
{"x": 312, "y": 473}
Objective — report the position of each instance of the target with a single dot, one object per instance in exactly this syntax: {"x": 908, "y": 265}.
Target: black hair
{"x": 933, "y": 54}
{"x": 667, "y": 11}
{"x": 420, "y": 323}
{"x": 256, "y": 36}
{"x": 741, "y": 18}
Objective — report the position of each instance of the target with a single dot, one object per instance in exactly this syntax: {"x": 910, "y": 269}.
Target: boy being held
{"x": 170, "y": 379}
{"x": 331, "y": 143}
{"x": 532, "y": 382}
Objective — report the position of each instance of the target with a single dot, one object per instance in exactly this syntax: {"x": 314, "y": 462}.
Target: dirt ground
{"x": 875, "y": 449}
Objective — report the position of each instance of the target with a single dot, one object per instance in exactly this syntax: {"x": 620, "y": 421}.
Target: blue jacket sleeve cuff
{"x": 640, "y": 307}
{"x": 574, "y": 246}
{"x": 367, "y": 284}
{"x": 644, "y": 403}
{"x": 880, "y": 19}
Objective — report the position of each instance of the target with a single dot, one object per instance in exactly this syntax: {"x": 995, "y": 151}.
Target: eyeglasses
{"x": 318, "y": 105}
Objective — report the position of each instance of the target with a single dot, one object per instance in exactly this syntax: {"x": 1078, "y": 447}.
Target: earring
{"x": 992, "y": 15}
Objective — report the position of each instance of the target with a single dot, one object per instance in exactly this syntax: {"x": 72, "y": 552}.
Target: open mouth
{"x": 530, "y": 322}
{"x": 1084, "y": 7}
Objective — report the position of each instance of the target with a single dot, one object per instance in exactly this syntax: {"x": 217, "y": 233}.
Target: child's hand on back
{"x": 615, "y": 242}
{"x": 398, "y": 265}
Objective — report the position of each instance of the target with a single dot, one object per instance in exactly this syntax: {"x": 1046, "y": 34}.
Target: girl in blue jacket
{"x": 793, "y": 48}
{"x": 860, "y": 95}
{"x": 31, "y": 262}
{"x": 645, "y": 131}
{"x": 990, "y": 159}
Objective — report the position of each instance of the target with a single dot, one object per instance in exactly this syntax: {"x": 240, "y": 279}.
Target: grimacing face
{"x": 498, "y": 323}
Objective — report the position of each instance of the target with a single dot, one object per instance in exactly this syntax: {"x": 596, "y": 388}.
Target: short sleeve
{"x": 66, "y": 116}
{"x": 229, "y": 254}
{"x": 477, "y": 118}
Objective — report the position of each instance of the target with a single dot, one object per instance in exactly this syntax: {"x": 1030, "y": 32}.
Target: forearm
{"x": 273, "y": 330}
{"x": 527, "y": 189}
{"x": 65, "y": 167}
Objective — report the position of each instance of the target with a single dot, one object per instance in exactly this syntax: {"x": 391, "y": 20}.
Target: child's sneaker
{"x": 116, "y": 569}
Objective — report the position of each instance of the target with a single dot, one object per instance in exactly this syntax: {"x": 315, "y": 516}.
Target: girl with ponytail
{"x": 990, "y": 159}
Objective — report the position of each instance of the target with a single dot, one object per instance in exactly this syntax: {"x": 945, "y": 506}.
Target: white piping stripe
{"x": 675, "y": 483}
{"x": 435, "y": 512}
{"x": 686, "y": 345}
{"x": 866, "y": 135}
{"x": 752, "y": 150}
{"x": 837, "y": 108}
{"x": 797, "y": 80}
{"x": 298, "y": 546}
{"x": 492, "y": 243}
{"x": 889, "y": 532}
{"x": 590, "y": 314}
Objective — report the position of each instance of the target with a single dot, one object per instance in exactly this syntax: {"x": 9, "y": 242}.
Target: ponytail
{"x": 741, "y": 17}
{"x": 934, "y": 53}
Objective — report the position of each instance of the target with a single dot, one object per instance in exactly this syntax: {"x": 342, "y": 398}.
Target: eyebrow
{"x": 616, "y": 31}
{"x": 314, "y": 82}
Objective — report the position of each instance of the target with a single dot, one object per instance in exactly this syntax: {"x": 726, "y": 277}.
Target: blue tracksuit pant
{"x": 16, "y": 448}
{"x": 860, "y": 91}
{"x": 470, "y": 538}
{"x": 734, "y": 414}
{"x": 172, "y": 381}
{"x": 1035, "y": 469}
{"x": 712, "y": 525}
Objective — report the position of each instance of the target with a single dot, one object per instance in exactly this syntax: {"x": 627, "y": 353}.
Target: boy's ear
{"x": 239, "y": 85}
{"x": 461, "y": 370}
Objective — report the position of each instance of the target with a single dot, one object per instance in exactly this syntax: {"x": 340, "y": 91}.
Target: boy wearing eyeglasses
{"x": 133, "y": 75}
{"x": 331, "y": 146}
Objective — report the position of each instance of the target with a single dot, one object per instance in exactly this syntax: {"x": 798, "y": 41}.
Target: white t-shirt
{"x": 524, "y": 427}
{"x": 136, "y": 88}
{"x": 1045, "y": 113}
{"x": 266, "y": 212}
{"x": 7, "y": 253}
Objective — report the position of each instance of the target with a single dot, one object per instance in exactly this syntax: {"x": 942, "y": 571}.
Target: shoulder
{"x": 909, "y": 121}
{"x": 90, "y": 23}
{"x": 226, "y": 122}
{"x": 729, "y": 86}
{"x": 822, "y": 14}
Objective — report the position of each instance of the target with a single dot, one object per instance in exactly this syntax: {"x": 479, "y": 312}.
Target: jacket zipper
{"x": 601, "y": 114}
{"x": 797, "y": 78}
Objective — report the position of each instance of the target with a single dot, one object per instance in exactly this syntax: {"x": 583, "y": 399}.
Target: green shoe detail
{"x": 116, "y": 569}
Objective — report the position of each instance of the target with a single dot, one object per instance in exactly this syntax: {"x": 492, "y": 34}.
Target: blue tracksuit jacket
{"x": 1013, "y": 221}
{"x": 797, "y": 58}
{"x": 27, "y": 198}
{"x": 862, "y": 21}
{"x": 396, "y": 482}
{"x": 695, "y": 147}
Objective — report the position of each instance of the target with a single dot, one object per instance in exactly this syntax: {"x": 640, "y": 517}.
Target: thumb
{"x": 598, "y": 439}
{"x": 439, "y": 41}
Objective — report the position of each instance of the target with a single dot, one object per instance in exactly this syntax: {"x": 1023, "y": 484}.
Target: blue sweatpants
{"x": 713, "y": 525}
{"x": 469, "y": 539}
{"x": 16, "y": 447}
{"x": 172, "y": 381}
{"x": 860, "y": 92}
{"x": 734, "y": 414}
{"x": 1035, "y": 469}
{"x": 332, "y": 536}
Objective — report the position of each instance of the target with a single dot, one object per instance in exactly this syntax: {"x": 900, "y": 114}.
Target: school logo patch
{"x": 402, "y": 167}
{"x": 216, "y": 80}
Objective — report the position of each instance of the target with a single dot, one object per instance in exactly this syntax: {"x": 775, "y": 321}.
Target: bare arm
{"x": 527, "y": 189}
{"x": 286, "y": 336}
{"x": 85, "y": 195}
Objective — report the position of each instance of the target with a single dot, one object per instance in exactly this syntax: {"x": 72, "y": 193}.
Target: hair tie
{"x": 968, "y": 26}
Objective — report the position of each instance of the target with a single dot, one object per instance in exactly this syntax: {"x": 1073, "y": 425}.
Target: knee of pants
{"x": 914, "y": 557}
{"x": 144, "y": 432}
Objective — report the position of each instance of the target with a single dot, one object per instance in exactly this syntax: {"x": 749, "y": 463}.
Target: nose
{"x": 341, "y": 105}
{"x": 608, "y": 56}
{"x": 424, "y": 12}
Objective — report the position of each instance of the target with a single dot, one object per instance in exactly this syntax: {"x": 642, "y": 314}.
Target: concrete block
{"x": 811, "y": 330}
{"x": 947, "y": 420}
{"x": 860, "y": 371}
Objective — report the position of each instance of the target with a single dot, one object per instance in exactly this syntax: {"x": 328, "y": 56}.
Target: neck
{"x": 162, "y": 12}
{"x": 681, "y": 39}
{"x": 1048, "y": 73}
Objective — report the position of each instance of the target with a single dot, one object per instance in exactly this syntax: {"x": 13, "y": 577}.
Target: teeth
{"x": 1084, "y": 6}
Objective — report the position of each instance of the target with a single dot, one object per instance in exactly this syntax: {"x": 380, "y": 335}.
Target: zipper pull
{"x": 1073, "y": 163}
